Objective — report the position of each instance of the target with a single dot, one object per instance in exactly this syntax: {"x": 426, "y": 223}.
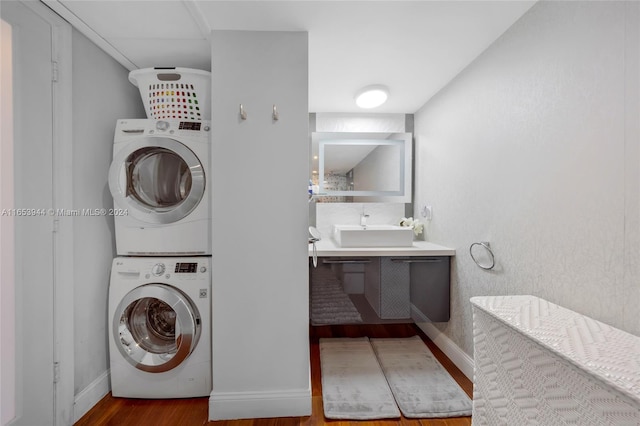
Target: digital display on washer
{"x": 188, "y": 268}
{"x": 189, "y": 125}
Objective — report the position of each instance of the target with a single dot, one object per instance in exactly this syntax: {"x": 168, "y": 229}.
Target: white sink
{"x": 372, "y": 236}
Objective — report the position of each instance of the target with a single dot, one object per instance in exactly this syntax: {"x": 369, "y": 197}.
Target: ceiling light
{"x": 372, "y": 96}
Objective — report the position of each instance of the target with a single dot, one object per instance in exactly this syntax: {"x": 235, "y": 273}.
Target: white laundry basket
{"x": 181, "y": 93}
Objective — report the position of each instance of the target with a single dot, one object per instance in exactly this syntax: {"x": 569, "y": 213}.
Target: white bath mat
{"x": 353, "y": 385}
{"x": 420, "y": 384}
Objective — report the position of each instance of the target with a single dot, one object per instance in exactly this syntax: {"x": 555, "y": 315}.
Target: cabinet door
{"x": 394, "y": 288}
{"x": 430, "y": 284}
{"x": 387, "y": 287}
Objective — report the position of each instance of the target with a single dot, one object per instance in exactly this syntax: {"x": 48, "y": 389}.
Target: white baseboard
{"x": 459, "y": 357}
{"x": 252, "y": 405}
{"x": 91, "y": 395}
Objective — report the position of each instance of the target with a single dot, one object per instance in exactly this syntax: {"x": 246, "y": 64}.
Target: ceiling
{"x": 413, "y": 47}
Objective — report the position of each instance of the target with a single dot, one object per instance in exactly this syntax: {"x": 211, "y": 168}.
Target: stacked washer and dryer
{"x": 160, "y": 288}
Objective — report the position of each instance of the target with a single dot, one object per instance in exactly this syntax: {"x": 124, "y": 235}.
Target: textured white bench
{"x": 537, "y": 363}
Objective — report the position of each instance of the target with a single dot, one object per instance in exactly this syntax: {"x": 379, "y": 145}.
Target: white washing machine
{"x": 160, "y": 327}
{"x": 158, "y": 180}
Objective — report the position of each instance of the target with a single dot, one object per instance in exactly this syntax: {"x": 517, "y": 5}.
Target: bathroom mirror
{"x": 361, "y": 167}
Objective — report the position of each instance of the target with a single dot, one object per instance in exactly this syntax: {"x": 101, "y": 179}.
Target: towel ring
{"x": 487, "y": 246}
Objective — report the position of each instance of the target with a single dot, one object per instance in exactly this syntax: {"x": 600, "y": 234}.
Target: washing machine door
{"x": 159, "y": 180}
{"x": 156, "y": 327}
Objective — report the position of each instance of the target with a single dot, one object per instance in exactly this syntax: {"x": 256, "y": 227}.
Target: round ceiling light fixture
{"x": 372, "y": 96}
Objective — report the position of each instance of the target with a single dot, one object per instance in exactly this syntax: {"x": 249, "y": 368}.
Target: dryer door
{"x": 159, "y": 180}
{"x": 156, "y": 327}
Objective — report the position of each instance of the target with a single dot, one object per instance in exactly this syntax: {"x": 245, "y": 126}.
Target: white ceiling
{"x": 413, "y": 47}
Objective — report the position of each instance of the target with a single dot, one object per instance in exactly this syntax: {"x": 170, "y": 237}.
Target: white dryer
{"x": 158, "y": 180}
{"x": 160, "y": 327}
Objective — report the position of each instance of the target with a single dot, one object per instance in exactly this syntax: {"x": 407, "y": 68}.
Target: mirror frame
{"x": 320, "y": 140}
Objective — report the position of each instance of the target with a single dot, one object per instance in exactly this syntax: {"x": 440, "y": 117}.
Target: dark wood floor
{"x": 194, "y": 411}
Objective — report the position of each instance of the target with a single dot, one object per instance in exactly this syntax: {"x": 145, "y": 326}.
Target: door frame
{"x": 62, "y": 228}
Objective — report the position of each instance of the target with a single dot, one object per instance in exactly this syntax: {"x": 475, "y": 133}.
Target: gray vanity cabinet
{"x": 387, "y": 287}
{"x": 351, "y": 272}
{"x": 394, "y": 288}
{"x": 430, "y": 288}
{"x": 409, "y": 287}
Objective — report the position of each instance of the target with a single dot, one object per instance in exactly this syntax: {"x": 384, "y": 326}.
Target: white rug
{"x": 353, "y": 385}
{"x": 420, "y": 384}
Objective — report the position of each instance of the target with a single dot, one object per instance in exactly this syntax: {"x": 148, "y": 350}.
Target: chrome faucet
{"x": 363, "y": 220}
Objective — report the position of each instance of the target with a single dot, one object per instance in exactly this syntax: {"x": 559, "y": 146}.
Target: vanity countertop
{"x": 327, "y": 247}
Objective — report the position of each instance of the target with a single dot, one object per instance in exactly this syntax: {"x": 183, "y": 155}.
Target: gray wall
{"x": 260, "y": 172}
{"x": 534, "y": 148}
{"x": 101, "y": 95}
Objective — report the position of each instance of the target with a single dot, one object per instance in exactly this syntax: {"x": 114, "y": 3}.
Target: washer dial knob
{"x": 162, "y": 125}
{"x": 158, "y": 269}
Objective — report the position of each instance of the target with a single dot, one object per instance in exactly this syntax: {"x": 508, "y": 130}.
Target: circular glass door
{"x": 159, "y": 179}
{"x": 156, "y": 327}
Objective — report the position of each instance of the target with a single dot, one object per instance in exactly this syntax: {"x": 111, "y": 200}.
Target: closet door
{"x": 28, "y": 390}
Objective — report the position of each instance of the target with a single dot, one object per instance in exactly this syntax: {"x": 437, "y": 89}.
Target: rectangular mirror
{"x": 362, "y": 167}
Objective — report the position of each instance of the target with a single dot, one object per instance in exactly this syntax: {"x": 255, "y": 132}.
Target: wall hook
{"x": 243, "y": 113}
{"x": 275, "y": 115}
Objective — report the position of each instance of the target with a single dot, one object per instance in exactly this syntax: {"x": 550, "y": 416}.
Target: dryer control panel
{"x": 186, "y": 267}
{"x": 131, "y": 128}
{"x": 190, "y": 125}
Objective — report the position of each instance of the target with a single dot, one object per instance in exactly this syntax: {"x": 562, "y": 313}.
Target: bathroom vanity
{"x": 368, "y": 269}
{"x": 383, "y": 284}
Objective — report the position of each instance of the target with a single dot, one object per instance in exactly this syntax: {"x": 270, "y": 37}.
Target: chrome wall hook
{"x": 243, "y": 113}
{"x": 275, "y": 114}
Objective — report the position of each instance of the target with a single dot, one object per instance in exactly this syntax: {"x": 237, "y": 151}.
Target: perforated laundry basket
{"x": 182, "y": 93}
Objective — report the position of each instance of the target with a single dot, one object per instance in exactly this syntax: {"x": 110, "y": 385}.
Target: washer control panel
{"x": 158, "y": 269}
{"x": 166, "y": 269}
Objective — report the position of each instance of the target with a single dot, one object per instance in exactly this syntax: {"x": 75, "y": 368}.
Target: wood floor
{"x": 194, "y": 411}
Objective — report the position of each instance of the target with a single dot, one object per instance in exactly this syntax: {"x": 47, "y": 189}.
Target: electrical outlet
{"x": 427, "y": 212}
